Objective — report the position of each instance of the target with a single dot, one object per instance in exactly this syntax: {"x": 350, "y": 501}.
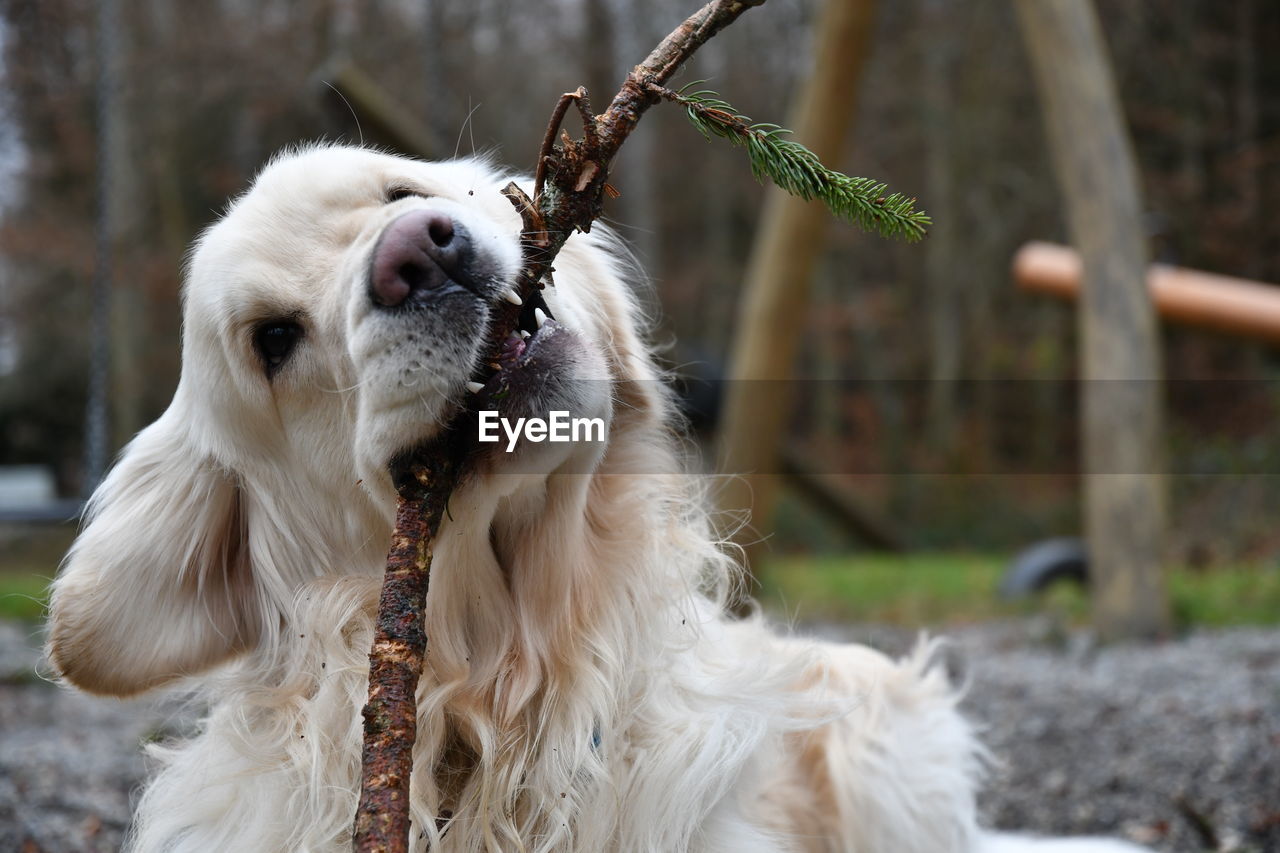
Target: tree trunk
{"x": 1246, "y": 98}
{"x": 775, "y": 298}
{"x": 435, "y": 76}
{"x": 600, "y": 65}
{"x": 1124, "y": 490}
{"x": 125, "y": 216}
{"x": 941, "y": 267}
{"x": 634, "y": 172}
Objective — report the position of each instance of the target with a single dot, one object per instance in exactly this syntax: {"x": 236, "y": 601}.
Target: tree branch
{"x": 571, "y": 183}
{"x": 798, "y": 171}
{"x": 399, "y": 645}
{"x": 549, "y": 138}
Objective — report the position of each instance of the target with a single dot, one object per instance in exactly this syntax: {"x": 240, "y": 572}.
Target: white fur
{"x": 583, "y": 689}
{"x": 1031, "y": 844}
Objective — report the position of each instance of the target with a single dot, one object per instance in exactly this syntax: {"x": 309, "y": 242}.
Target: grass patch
{"x": 1235, "y": 595}
{"x": 912, "y": 590}
{"x": 29, "y": 558}
{"x": 23, "y": 596}
{"x": 950, "y": 589}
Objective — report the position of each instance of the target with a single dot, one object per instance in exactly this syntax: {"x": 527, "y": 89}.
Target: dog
{"x": 584, "y": 689}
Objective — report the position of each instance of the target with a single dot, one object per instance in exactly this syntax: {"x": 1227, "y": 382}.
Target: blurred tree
{"x": 945, "y": 316}
{"x": 636, "y": 28}
{"x": 107, "y": 134}
{"x": 1122, "y": 426}
{"x": 789, "y": 239}
{"x": 599, "y": 65}
{"x": 214, "y": 88}
{"x": 44, "y": 242}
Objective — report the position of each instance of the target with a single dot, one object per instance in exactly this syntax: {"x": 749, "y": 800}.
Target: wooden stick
{"x": 395, "y": 661}
{"x": 1235, "y": 306}
{"x": 572, "y": 182}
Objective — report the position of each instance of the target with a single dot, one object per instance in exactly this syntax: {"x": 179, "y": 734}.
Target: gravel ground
{"x": 1176, "y": 746}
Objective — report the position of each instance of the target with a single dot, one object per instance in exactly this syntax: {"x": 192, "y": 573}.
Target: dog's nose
{"x": 422, "y": 250}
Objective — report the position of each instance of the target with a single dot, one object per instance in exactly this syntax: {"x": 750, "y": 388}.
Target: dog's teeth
{"x": 540, "y": 316}
{"x": 524, "y": 336}
{"x": 512, "y": 297}
{"x": 475, "y": 387}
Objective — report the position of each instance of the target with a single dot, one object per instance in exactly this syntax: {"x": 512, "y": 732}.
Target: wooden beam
{"x": 826, "y": 494}
{"x": 382, "y": 118}
{"x": 1233, "y": 306}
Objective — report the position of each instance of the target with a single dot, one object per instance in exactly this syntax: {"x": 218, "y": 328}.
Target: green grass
{"x": 913, "y": 590}
{"x": 23, "y": 596}
{"x": 1238, "y": 595}
{"x": 29, "y": 558}
{"x": 949, "y": 589}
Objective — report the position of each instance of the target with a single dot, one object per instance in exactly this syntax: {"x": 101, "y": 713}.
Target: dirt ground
{"x": 1176, "y": 746}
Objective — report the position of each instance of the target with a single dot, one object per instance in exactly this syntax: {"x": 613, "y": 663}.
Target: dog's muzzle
{"x": 421, "y": 256}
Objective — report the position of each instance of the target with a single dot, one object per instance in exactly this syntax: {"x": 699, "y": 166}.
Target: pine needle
{"x": 798, "y": 171}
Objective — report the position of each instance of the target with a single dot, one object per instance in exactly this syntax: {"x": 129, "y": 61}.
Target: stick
{"x": 572, "y": 180}
{"x": 395, "y": 661}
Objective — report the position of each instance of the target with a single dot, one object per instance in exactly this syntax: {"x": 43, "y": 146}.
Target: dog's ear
{"x": 158, "y": 585}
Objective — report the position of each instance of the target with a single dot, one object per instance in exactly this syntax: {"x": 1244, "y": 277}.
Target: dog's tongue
{"x": 522, "y": 325}
{"x": 512, "y": 348}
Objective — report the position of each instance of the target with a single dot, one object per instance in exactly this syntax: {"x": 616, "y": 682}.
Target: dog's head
{"x": 333, "y": 318}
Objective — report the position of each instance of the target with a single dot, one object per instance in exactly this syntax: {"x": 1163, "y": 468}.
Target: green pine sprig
{"x": 798, "y": 171}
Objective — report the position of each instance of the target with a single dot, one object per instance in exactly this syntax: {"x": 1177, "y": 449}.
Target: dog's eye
{"x": 397, "y": 193}
{"x": 275, "y": 341}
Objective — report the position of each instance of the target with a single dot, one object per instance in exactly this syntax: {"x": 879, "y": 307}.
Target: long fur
{"x": 583, "y": 690}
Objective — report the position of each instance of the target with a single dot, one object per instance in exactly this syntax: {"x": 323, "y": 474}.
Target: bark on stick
{"x": 571, "y": 181}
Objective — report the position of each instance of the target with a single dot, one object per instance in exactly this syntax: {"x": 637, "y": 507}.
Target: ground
{"x": 1175, "y": 745}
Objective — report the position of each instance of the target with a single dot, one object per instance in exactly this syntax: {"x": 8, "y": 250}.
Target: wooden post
{"x": 1124, "y": 492}
{"x": 775, "y": 297}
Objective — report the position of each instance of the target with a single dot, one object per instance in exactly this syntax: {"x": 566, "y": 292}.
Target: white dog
{"x": 583, "y": 689}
